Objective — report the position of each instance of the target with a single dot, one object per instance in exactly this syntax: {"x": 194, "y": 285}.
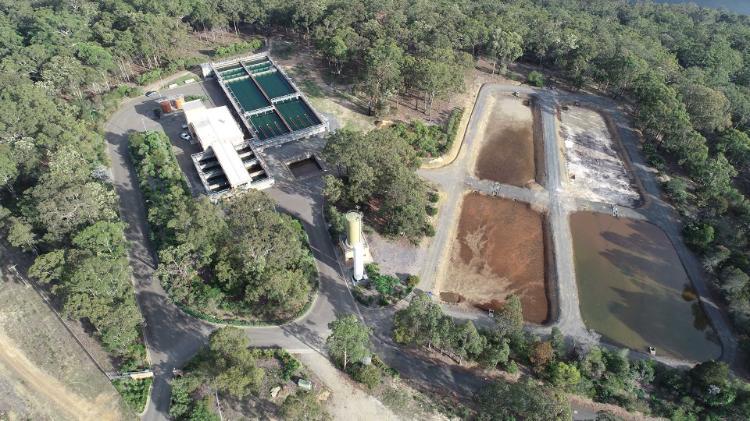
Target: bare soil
{"x": 499, "y": 250}
{"x": 507, "y": 151}
{"x": 43, "y": 373}
{"x": 346, "y": 397}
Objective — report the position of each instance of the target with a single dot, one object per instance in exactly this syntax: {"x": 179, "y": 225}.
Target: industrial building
{"x": 228, "y": 162}
{"x": 268, "y": 104}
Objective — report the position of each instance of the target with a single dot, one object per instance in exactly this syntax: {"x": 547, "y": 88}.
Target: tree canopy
{"x": 377, "y": 174}
{"x": 239, "y": 256}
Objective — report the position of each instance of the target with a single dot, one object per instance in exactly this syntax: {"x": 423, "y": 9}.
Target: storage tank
{"x": 354, "y": 233}
{"x": 179, "y": 102}
{"x": 354, "y": 238}
{"x": 166, "y": 106}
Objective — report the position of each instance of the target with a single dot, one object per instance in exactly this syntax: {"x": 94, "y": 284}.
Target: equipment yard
{"x": 507, "y": 148}
{"x": 498, "y": 251}
{"x": 594, "y": 166}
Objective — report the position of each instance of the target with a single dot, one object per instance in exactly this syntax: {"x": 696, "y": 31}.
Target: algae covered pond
{"x": 634, "y": 291}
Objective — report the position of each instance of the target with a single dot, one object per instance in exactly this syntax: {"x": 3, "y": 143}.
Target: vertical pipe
{"x": 359, "y": 264}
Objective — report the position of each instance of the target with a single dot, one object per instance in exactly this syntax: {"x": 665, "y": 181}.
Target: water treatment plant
{"x": 266, "y": 101}
{"x": 264, "y": 109}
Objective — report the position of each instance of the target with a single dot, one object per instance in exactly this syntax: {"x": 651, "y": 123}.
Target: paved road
{"x": 173, "y": 337}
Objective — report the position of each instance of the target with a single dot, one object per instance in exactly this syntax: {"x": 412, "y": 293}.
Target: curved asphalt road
{"x": 173, "y": 337}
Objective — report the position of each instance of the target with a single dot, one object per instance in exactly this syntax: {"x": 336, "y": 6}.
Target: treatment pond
{"x": 634, "y": 290}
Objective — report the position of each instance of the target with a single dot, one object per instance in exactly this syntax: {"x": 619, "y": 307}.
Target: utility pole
{"x": 218, "y": 404}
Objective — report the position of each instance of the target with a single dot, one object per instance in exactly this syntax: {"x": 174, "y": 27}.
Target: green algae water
{"x": 634, "y": 291}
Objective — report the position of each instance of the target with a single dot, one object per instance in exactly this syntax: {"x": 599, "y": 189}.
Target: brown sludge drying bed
{"x": 499, "y": 251}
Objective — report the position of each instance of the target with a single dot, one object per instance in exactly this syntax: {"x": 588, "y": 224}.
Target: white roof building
{"x": 215, "y": 128}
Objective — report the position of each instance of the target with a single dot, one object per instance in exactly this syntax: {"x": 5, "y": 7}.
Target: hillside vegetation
{"x": 685, "y": 70}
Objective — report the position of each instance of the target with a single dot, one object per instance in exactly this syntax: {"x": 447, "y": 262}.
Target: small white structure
{"x": 227, "y": 162}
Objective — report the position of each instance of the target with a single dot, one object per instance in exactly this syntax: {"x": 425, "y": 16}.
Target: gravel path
{"x": 351, "y": 403}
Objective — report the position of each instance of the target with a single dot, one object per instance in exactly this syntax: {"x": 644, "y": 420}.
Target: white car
{"x": 185, "y": 136}
{"x": 184, "y": 126}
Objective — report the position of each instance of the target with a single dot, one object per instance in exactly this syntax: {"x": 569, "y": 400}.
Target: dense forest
{"x": 64, "y": 65}
{"x": 238, "y": 259}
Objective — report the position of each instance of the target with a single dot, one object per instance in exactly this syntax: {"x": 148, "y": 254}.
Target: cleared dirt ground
{"x": 43, "y": 372}
{"x": 595, "y": 169}
{"x": 507, "y": 144}
{"x": 499, "y": 250}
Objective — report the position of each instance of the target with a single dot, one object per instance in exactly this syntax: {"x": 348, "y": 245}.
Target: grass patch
{"x": 134, "y": 392}
{"x": 236, "y": 48}
{"x": 284, "y": 50}
{"x": 311, "y": 88}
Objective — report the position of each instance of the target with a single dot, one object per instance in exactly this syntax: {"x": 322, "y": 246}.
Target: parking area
{"x": 173, "y": 124}
{"x": 277, "y": 158}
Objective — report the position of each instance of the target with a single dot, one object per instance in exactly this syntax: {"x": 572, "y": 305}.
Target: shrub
{"x": 194, "y": 97}
{"x": 150, "y": 76}
{"x": 699, "y": 235}
{"x": 133, "y": 392}
{"x": 390, "y": 371}
{"x": 336, "y": 221}
{"x": 359, "y": 295}
{"x": 429, "y": 230}
{"x": 385, "y": 284}
{"x": 431, "y": 210}
{"x": 238, "y": 47}
{"x": 433, "y": 197}
{"x": 676, "y": 188}
{"x": 412, "y": 281}
{"x": 535, "y": 79}
{"x": 289, "y": 365}
{"x": 451, "y": 127}
{"x": 369, "y": 375}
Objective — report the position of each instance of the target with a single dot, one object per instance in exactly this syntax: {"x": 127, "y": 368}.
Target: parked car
{"x": 184, "y": 126}
{"x": 150, "y": 94}
{"x": 185, "y": 136}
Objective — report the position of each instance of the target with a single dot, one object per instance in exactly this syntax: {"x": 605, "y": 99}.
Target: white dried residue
{"x": 595, "y": 170}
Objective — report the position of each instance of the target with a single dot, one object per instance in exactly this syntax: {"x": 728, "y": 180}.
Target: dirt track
{"x": 499, "y": 251}
{"x": 39, "y": 385}
{"x": 507, "y": 143}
